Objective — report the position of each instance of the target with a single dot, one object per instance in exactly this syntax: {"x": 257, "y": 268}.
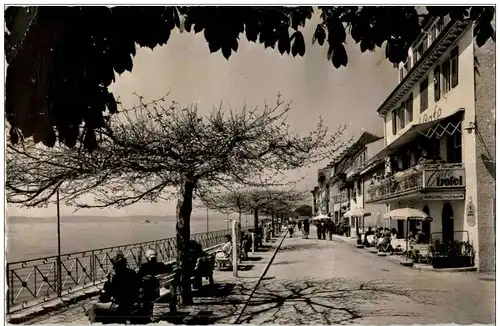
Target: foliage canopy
{"x": 61, "y": 60}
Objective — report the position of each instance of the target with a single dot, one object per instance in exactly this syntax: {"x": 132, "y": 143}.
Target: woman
{"x": 224, "y": 254}
{"x": 305, "y": 229}
{"x": 290, "y": 229}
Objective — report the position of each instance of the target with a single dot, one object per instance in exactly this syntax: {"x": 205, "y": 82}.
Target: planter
{"x": 451, "y": 262}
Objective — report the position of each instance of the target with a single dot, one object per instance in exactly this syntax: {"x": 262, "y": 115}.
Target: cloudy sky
{"x": 253, "y": 75}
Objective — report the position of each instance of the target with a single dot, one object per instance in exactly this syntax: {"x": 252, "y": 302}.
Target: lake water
{"x": 29, "y": 238}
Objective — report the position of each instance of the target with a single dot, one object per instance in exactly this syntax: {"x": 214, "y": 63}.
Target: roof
{"x": 450, "y": 32}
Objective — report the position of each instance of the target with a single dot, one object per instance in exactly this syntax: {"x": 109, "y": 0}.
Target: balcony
{"x": 423, "y": 178}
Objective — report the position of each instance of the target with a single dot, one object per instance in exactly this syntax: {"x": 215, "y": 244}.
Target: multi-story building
{"x": 439, "y": 138}
{"x": 345, "y": 184}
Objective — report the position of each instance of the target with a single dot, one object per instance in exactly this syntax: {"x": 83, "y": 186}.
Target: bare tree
{"x": 146, "y": 153}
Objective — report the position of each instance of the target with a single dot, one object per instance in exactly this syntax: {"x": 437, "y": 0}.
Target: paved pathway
{"x": 221, "y": 308}
{"x": 325, "y": 282}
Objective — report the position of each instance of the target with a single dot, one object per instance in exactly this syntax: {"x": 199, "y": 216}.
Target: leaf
{"x": 198, "y": 27}
{"x": 339, "y": 56}
{"x": 284, "y": 42}
{"x": 298, "y": 47}
{"x": 226, "y": 52}
{"x": 213, "y": 46}
{"x": 14, "y": 138}
{"x": 251, "y": 33}
{"x": 319, "y": 34}
{"x": 111, "y": 103}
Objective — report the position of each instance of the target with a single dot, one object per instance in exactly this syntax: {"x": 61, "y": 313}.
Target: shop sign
{"x": 444, "y": 178}
{"x": 471, "y": 214}
{"x": 444, "y": 197}
{"x": 429, "y": 116}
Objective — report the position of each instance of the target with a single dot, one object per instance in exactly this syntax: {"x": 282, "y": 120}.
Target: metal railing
{"x": 37, "y": 281}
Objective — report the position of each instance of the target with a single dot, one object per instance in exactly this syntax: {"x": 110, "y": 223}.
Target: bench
{"x": 168, "y": 284}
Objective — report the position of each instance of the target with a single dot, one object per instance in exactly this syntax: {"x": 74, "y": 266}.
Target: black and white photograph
{"x": 249, "y": 163}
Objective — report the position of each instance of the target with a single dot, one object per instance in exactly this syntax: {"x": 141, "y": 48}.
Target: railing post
{"x": 9, "y": 289}
{"x": 92, "y": 267}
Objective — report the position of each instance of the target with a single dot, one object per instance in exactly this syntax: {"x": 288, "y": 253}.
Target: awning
{"x": 429, "y": 129}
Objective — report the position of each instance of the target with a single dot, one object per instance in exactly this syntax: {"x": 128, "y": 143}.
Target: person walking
{"x": 306, "y": 229}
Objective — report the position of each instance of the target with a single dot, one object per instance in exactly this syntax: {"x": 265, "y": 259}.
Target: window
{"x": 394, "y": 121}
{"x": 409, "y": 109}
{"x": 439, "y": 27}
{"x": 433, "y": 33}
{"x": 446, "y": 72}
{"x": 454, "y": 67}
{"x": 425, "y": 44}
{"x": 437, "y": 83}
{"x": 454, "y": 148}
{"x": 420, "y": 50}
{"x": 415, "y": 57}
{"x": 401, "y": 116}
{"x": 401, "y": 74}
{"x": 423, "y": 95}
{"x": 407, "y": 66}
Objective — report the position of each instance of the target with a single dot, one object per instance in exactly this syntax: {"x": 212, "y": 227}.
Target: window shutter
{"x": 402, "y": 116}
{"x": 423, "y": 95}
{"x": 394, "y": 121}
{"x": 454, "y": 67}
{"x": 437, "y": 83}
{"x": 409, "y": 109}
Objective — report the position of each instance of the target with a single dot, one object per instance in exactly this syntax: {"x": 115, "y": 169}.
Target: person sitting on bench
{"x": 223, "y": 255}
{"x": 150, "y": 289}
{"x": 200, "y": 264}
{"x": 119, "y": 297}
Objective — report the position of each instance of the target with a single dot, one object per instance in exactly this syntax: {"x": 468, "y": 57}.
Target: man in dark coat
{"x": 118, "y": 300}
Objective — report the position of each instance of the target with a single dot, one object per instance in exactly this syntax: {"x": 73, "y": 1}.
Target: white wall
{"x": 462, "y": 96}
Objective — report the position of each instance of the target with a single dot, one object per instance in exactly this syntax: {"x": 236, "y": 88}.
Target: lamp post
{"x": 59, "y": 276}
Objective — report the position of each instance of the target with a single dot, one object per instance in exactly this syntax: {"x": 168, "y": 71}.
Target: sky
{"x": 185, "y": 68}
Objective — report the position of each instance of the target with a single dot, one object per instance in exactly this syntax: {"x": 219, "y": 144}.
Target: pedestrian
{"x": 306, "y": 229}
{"x": 300, "y": 225}
{"x": 331, "y": 227}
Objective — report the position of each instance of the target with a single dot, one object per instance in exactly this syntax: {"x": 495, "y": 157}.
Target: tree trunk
{"x": 272, "y": 225}
{"x": 183, "y": 228}
{"x": 255, "y": 219}
{"x": 239, "y": 218}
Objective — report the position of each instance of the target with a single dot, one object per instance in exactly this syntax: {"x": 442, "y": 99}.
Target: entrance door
{"x": 447, "y": 222}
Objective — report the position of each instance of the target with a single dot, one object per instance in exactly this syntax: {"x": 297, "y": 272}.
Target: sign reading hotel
{"x": 444, "y": 197}
{"x": 444, "y": 178}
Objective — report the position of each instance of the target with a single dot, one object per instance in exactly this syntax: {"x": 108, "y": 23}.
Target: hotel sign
{"x": 444, "y": 197}
{"x": 444, "y": 178}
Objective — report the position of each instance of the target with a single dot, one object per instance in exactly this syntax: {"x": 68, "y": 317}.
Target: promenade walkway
{"x": 314, "y": 281}
{"x": 328, "y": 282}
{"x": 229, "y": 299}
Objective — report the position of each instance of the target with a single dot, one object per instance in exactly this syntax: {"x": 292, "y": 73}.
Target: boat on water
{"x": 146, "y": 221}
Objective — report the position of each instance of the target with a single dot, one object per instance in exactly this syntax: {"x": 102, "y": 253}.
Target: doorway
{"x": 447, "y": 222}
{"x": 426, "y": 225}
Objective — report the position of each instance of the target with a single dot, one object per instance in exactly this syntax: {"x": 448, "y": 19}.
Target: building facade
{"x": 439, "y": 139}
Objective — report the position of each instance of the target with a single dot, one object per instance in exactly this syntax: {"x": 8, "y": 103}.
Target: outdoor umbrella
{"x": 320, "y": 217}
{"x": 357, "y": 213}
{"x": 407, "y": 214}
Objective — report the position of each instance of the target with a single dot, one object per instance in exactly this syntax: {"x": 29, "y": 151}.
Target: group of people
{"x": 302, "y": 225}
{"x": 128, "y": 295}
{"x": 382, "y": 238}
{"x": 323, "y": 227}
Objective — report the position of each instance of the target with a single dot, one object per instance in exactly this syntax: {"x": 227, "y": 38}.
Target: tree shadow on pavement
{"x": 310, "y": 301}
